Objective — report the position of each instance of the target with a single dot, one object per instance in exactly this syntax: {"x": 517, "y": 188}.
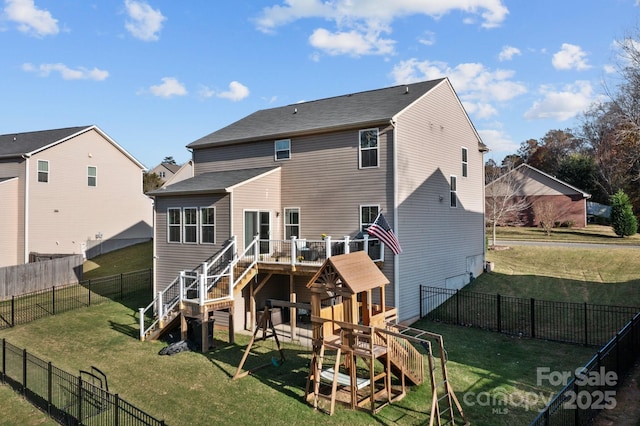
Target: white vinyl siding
{"x": 368, "y": 148}
{"x": 92, "y": 176}
{"x": 43, "y": 171}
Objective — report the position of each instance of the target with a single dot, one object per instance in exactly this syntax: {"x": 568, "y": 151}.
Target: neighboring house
{"x": 328, "y": 167}
{"x": 69, "y": 191}
{"x": 184, "y": 172}
{"x": 538, "y": 187}
{"x": 165, "y": 170}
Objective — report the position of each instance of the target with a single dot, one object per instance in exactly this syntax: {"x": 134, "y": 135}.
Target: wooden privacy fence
{"x": 30, "y": 277}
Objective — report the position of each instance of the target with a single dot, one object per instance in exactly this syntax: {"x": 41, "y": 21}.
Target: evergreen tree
{"x": 623, "y": 221}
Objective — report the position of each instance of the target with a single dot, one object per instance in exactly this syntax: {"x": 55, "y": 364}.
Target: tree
{"x": 623, "y": 221}
{"x": 578, "y": 170}
{"x": 169, "y": 160}
{"x": 151, "y": 181}
{"x": 504, "y": 199}
{"x": 546, "y": 154}
{"x": 547, "y": 214}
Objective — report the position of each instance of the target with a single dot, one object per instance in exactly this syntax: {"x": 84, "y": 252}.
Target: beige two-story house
{"x": 296, "y": 184}
{"x": 69, "y": 191}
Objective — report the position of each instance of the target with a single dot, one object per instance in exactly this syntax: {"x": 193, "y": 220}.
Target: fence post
{"x": 24, "y": 372}
{"x": 499, "y": 316}
{"x": 533, "y": 317}
{"x": 141, "y": 321}
{"x": 49, "y": 387}
{"x": 4, "y": 360}
{"x": 89, "y": 292}
{"x": 79, "y": 400}
{"x": 457, "y": 306}
{"x": 116, "y": 406}
{"x": 421, "y": 310}
{"x": 53, "y": 299}
{"x": 13, "y": 311}
{"x": 121, "y": 286}
{"x": 586, "y": 329}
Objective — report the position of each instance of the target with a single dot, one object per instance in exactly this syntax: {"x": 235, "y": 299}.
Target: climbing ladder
{"x": 445, "y": 407}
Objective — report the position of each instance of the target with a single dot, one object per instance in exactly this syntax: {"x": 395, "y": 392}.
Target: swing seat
{"x": 276, "y": 362}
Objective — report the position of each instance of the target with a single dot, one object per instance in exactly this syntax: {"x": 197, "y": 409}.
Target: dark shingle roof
{"x": 373, "y": 106}
{"x": 212, "y": 182}
{"x": 17, "y": 144}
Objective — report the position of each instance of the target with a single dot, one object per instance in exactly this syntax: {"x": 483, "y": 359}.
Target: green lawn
{"x": 599, "y": 234}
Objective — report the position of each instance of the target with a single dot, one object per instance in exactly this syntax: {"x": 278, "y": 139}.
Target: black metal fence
{"x": 55, "y": 300}
{"x": 582, "y": 323}
{"x": 594, "y": 389}
{"x": 69, "y": 399}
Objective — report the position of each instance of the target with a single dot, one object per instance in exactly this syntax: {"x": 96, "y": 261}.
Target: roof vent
{"x": 295, "y": 110}
{"x": 406, "y": 90}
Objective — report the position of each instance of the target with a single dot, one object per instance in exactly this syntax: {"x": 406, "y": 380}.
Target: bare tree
{"x": 504, "y": 199}
{"x": 547, "y": 214}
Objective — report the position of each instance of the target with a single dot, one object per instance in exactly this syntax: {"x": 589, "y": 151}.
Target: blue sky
{"x": 156, "y": 75}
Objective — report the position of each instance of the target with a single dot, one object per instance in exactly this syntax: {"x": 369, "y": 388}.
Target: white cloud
{"x": 564, "y": 104}
{"x": 67, "y": 73}
{"x": 478, "y": 87}
{"x": 497, "y": 140}
{"x": 351, "y": 43}
{"x": 237, "y": 91}
{"x": 169, "y": 88}
{"x": 144, "y": 22}
{"x": 428, "y": 39}
{"x": 508, "y": 52}
{"x": 570, "y": 57}
{"x": 360, "y": 23}
{"x": 206, "y": 92}
{"x": 609, "y": 69}
{"x": 30, "y": 19}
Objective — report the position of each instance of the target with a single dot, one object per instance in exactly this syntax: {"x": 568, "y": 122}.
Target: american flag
{"x": 381, "y": 229}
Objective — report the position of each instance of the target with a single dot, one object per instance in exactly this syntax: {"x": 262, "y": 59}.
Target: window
{"x": 465, "y": 163}
{"x": 43, "y": 171}
{"x": 368, "y": 214}
{"x": 291, "y": 223}
{"x": 162, "y": 175}
{"x": 92, "y": 175}
{"x": 174, "y": 234}
{"x": 452, "y": 190}
{"x": 190, "y": 215}
{"x": 208, "y": 225}
{"x": 283, "y": 149}
{"x": 368, "y": 148}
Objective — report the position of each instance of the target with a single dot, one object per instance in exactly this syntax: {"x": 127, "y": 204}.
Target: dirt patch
{"x": 627, "y": 410}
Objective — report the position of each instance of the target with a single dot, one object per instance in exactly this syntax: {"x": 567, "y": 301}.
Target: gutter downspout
{"x": 26, "y": 208}
{"x": 396, "y": 259}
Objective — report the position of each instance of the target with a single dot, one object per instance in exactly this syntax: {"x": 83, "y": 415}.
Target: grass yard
{"x": 197, "y": 389}
{"x": 598, "y": 234}
{"x": 600, "y": 276}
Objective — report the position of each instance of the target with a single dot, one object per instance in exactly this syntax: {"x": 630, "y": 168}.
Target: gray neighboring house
{"x": 69, "y": 191}
{"x": 320, "y": 172}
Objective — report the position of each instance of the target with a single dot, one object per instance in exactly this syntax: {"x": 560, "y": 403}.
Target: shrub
{"x": 623, "y": 221}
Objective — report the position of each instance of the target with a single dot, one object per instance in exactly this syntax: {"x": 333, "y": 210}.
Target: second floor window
{"x": 453, "y": 191}
{"x": 208, "y": 225}
{"x": 291, "y": 223}
{"x": 283, "y": 149}
{"x": 174, "y": 223}
{"x": 190, "y": 225}
{"x": 43, "y": 171}
{"x": 368, "y": 215}
{"x": 368, "y": 148}
{"x": 465, "y": 162}
{"x": 92, "y": 176}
